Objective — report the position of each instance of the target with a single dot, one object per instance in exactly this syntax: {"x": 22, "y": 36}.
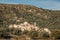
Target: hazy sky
{"x": 46, "y": 4}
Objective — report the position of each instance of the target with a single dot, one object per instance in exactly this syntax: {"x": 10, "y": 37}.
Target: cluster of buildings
{"x": 26, "y": 26}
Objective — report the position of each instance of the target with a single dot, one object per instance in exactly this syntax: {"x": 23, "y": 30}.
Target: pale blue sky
{"x": 46, "y": 4}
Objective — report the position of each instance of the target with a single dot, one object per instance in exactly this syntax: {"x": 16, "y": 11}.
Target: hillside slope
{"x": 16, "y": 14}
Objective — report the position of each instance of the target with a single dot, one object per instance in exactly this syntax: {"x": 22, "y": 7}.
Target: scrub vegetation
{"x": 11, "y": 14}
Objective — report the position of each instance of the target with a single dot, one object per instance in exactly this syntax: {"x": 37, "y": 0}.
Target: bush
{"x": 44, "y": 35}
{"x": 33, "y": 34}
{"x": 56, "y": 34}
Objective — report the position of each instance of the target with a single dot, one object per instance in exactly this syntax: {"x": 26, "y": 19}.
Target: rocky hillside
{"x": 14, "y": 17}
{"x": 16, "y": 14}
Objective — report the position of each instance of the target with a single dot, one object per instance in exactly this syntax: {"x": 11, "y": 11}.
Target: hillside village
{"x": 26, "y": 26}
{"x": 27, "y": 22}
